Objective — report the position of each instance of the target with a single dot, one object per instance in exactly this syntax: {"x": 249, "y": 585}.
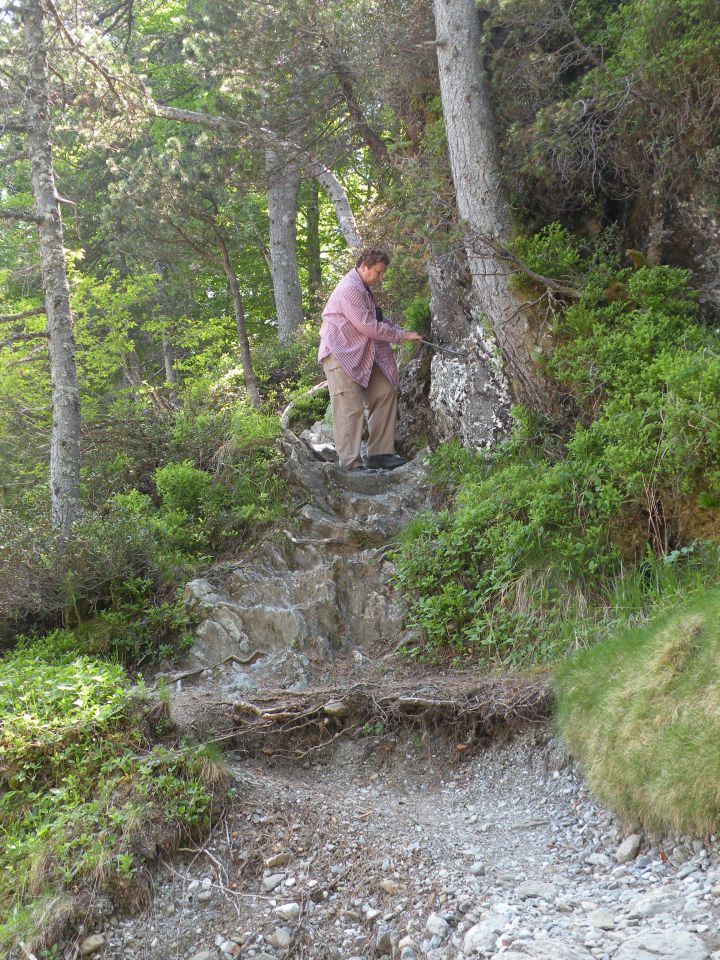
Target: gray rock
{"x": 437, "y": 926}
{"x": 667, "y": 945}
{"x": 536, "y": 889}
{"x": 598, "y": 860}
{"x": 657, "y": 901}
{"x": 288, "y": 911}
{"x": 280, "y": 937}
{"x": 545, "y": 950}
{"x": 386, "y": 941}
{"x": 482, "y": 936}
{"x": 628, "y": 849}
{"x": 92, "y": 944}
{"x": 272, "y": 881}
{"x": 602, "y": 919}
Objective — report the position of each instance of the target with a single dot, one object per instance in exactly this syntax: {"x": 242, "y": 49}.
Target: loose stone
{"x": 628, "y": 849}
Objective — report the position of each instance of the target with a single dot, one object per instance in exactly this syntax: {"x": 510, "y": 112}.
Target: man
{"x": 356, "y": 352}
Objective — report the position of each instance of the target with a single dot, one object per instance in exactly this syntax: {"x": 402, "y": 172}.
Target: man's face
{"x": 372, "y": 275}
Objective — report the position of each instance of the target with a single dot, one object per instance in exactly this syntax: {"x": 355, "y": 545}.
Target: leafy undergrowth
{"x": 570, "y": 530}
{"x": 88, "y": 791}
{"x": 641, "y": 713}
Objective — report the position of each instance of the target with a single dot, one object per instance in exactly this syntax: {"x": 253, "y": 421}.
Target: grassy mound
{"x": 642, "y": 714}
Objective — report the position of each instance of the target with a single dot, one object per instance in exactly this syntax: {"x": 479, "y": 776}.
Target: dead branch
{"x": 20, "y": 216}
{"x": 14, "y": 317}
{"x": 22, "y": 337}
{"x": 285, "y": 415}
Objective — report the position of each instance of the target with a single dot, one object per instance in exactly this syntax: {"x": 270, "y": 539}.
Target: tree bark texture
{"x": 343, "y": 211}
{"x": 283, "y": 190}
{"x": 66, "y": 425}
{"x": 314, "y": 264}
{"x": 469, "y": 399}
{"x": 476, "y": 175}
{"x": 245, "y": 358}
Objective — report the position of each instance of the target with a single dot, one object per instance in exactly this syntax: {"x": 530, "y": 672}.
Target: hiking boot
{"x": 385, "y": 461}
{"x": 361, "y": 468}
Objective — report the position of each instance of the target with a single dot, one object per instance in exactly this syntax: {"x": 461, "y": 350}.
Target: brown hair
{"x": 373, "y": 255}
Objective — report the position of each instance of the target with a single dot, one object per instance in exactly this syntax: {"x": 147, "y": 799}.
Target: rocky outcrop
{"x": 444, "y": 397}
{"x": 319, "y": 590}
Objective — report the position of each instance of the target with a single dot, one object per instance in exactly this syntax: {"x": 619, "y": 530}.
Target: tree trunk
{"x": 343, "y": 211}
{"x": 66, "y": 426}
{"x": 469, "y": 399}
{"x": 476, "y": 175}
{"x": 314, "y": 265}
{"x": 283, "y": 189}
{"x": 245, "y": 359}
{"x": 168, "y": 348}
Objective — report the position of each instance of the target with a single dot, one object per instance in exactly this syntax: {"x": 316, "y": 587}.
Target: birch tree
{"x": 283, "y": 188}
{"x": 65, "y": 433}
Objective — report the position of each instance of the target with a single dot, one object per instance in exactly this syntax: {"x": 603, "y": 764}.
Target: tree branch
{"x": 188, "y": 116}
{"x": 23, "y": 216}
{"x": 12, "y": 126}
{"x": 13, "y": 158}
{"x": 501, "y": 252}
{"x": 22, "y": 337}
{"x": 14, "y": 317}
{"x": 78, "y": 48}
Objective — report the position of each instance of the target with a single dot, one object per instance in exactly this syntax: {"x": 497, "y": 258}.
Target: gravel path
{"x": 395, "y": 847}
{"x": 390, "y": 849}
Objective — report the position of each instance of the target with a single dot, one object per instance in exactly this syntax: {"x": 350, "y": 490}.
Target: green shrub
{"x": 640, "y": 713}
{"x": 552, "y": 252}
{"x": 183, "y": 488}
{"x": 308, "y": 410}
{"x": 542, "y": 535}
{"x": 81, "y": 786}
{"x": 417, "y": 314}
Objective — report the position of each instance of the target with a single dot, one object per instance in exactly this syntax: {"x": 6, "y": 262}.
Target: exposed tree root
{"x": 295, "y": 722}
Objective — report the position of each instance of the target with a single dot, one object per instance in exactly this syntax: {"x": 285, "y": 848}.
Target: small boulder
{"x": 628, "y": 849}
{"x": 92, "y": 944}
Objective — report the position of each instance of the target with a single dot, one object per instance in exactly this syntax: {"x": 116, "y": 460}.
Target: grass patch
{"x": 87, "y": 793}
{"x": 642, "y": 714}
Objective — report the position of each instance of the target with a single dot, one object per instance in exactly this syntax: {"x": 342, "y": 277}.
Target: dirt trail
{"x": 418, "y": 830}
{"x": 390, "y": 848}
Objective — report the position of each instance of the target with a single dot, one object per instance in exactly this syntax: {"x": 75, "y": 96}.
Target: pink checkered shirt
{"x": 353, "y": 335}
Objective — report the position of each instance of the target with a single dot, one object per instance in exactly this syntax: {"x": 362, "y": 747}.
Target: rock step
{"x": 319, "y": 590}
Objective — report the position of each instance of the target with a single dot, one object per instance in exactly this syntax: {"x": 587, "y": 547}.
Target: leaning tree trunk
{"x": 476, "y": 175}
{"x": 283, "y": 189}
{"x": 245, "y": 358}
{"x": 65, "y": 434}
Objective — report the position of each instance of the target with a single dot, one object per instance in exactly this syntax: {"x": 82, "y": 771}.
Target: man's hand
{"x": 412, "y": 335}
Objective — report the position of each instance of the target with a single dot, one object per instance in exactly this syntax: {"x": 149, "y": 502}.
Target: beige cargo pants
{"x": 347, "y": 400}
